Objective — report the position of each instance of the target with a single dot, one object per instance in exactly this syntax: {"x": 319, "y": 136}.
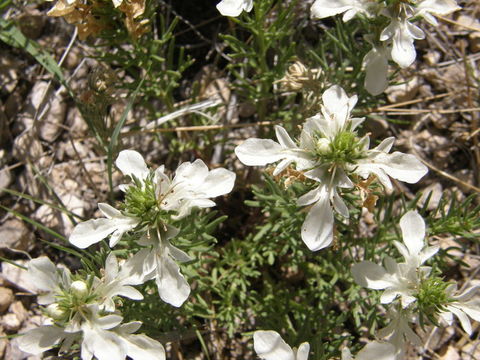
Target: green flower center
{"x": 344, "y": 149}
{"x": 432, "y": 297}
{"x": 69, "y": 302}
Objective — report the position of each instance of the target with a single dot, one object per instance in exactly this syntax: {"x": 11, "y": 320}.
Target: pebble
{"x": 6, "y": 298}
{"x": 14, "y": 234}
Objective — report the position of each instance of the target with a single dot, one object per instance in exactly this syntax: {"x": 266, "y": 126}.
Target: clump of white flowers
{"x": 413, "y": 292}
{"x": 396, "y": 35}
{"x": 82, "y": 310}
{"x": 153, "y": 201}
{"x": 332, "y": 155}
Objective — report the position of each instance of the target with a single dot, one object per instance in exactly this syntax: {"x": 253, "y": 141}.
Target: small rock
{"x": 377, "y": 126}
{"x": 19, "y": 310}
{"x": 451, "y": 354}
{"x": 10, "y": 322}
{"x": 6, "y": 298}
{"x": 6, "y": 179}
{"x": 403, "y": 92}
{"x": 27, "y": 146}
{"x": 8, "y": 73}
{"x": 432, "y": 57}
{"x": 14, "y": 234}
{"x": 471, "y": 351}
{"x": 31, "y": 23}
{"x": 3, "y": 344}
{"x": 49, "y": 128}
{"x": 18, "y": 277}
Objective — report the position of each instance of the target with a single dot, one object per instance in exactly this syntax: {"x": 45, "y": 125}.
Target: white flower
{"x": 234, "y": 7}
{"x": 398, "y": 330}
{"x": 84, "y": 312}
{"x": 374, "y": 350}
{"x": 328, "y": 152}
{"x": 269, "y": 345}
{"x": 326, "y": 8}
{"x": 402, "y": 33}
{"x": 102, "y": 337}
{"x": 117, "y": 280}
{"x": 463, "y": 306}
{"x": 160, "y": 264}
{"x": 191, "y": 187}
{"x": 399, "y": 280}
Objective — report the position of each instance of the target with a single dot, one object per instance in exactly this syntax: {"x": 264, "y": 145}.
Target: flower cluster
{"x": 269, "y": 345}
{"x": 415, "y": 294}
{"x": 330, "y": 154}
{"x": 396, "y": 39}
{"x": 89, "y": 17}
{"x": 152, "y": 203}
{"x": 82, "y": 310}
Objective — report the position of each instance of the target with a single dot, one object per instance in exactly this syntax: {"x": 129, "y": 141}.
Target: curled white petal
{"x": 269, "y": 345}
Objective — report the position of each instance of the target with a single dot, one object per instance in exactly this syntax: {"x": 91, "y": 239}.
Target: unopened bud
{"x": 54, "y": 311}
{"x": 323, "y": 146}
{"x": 79, "y": 288}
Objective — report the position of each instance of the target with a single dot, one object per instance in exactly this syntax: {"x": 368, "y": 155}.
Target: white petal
{"x": 337, "y": 103}
{"x": 386, "y": 145}
{"x": 269, "y": 345}
{"x": 131, "y": 163}
{"x": 257, "y": 152}
{"x": 311, "y": 196}
{"x": 104, "y": 345}
{"x": 400, "y": 166}
{"x": 172, "y": 286}
{"x": 111, "y": 267}
{"x": 129, "y": 292}
{"x": 108, "y": 210}
{"x": 370, "y": 275}
{"x": 43, "y": 273}
{"x": 108, "y": 321}
{"x": 91, "y": 231}
{"x": 303, "y": 350}
{"x": 283, "y": 137}
{"x": 317, "y": 229}
{"x": 326, "y": 8}
{"x": 218, "y": 182}
{"x": 339, "y": 205}
{"x": 141, "y": 347}
{"x": 376, "y": 70}
{"x": 40, "y": 339}
{"x": 464, "y": 320}
{"x": 413, "y": 232}
{"x": 178, "y": 254}
{"x": 234, "y": 7}
{"x": 376, "y": 350}
{"x": 438, "y": 7}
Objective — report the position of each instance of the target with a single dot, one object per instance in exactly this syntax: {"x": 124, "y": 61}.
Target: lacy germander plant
{"x": 153, "y": 202}
{"x": 414, "y": 293}
{"x": 82, "y": 310}
{"x": 330, "y": 153}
